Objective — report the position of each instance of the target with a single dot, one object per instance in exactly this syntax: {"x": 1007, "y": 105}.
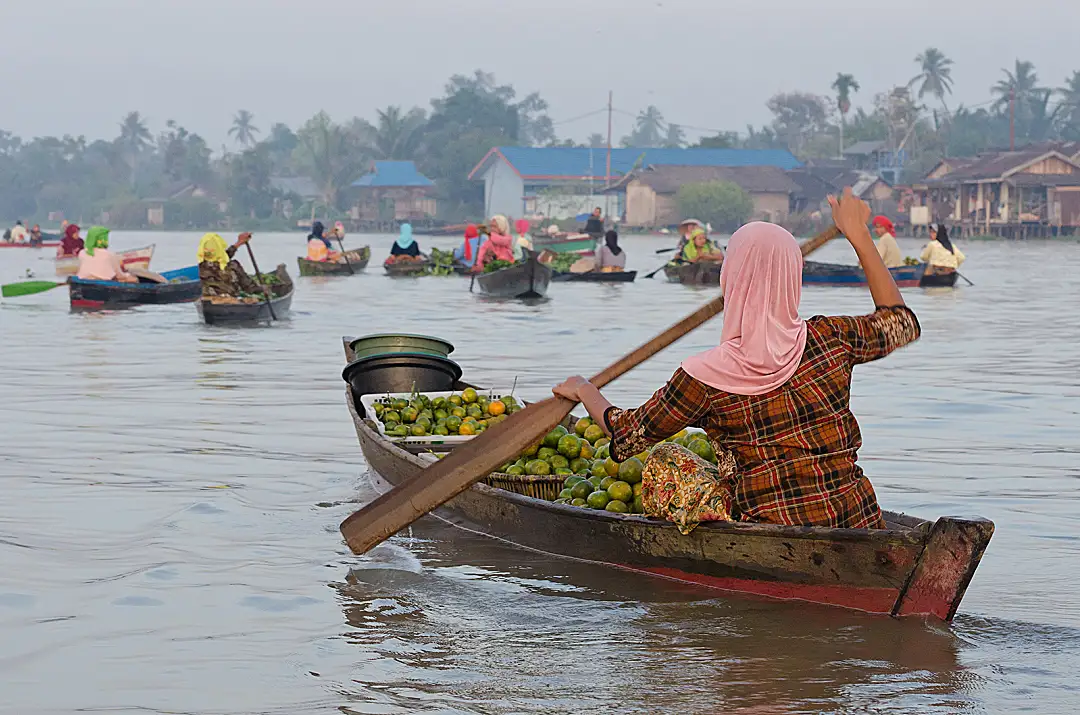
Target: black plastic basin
{"x": 401, "y": 372}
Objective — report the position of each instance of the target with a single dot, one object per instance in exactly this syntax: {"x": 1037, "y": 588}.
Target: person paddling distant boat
{"x": 941, "y": 255}
{"x": 467, "y": 252}
{"x": 98, "y": 263}
{"x": 611, "y": 258}
{"x": 886, "y": 245}
{"x": 499, "y": 245}
{"x": 773, "y": 397}
{"x": 319, "y": 247}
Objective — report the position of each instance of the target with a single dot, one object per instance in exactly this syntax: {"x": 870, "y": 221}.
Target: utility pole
{"x": 1012, "y": 118}
{"x": 607, "y": 174}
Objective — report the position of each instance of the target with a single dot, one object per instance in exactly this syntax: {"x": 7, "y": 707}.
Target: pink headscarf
{"x": 521, "y": 226}
{"x": 761, "y": 344}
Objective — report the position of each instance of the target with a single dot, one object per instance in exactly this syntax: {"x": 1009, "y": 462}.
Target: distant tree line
{"x": 84, "y": 178}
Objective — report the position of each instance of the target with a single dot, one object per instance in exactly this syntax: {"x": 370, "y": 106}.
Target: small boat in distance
{"x": 527, "y": 279}
{"x": 816, "y": 273}
{"x": 182, "y": 286}
{"x": 358, "y": 260}
{"x": 217, "y": 310}
{"x": 134, "y": 258}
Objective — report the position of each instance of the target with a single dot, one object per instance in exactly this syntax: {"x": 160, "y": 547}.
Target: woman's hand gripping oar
{"x": 468, "y": 464}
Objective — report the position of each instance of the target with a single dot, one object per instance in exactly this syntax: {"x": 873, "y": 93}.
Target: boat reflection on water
{"x": 573, "y": 636}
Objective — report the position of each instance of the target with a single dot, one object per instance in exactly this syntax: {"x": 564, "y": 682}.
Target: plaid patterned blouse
{"x": 796, "y": 446}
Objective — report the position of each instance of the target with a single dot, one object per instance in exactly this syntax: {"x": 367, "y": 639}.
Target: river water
{"x": 172, "y": 491}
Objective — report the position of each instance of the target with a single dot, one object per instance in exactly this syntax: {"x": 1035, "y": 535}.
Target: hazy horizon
{"x": 78, "y": 67}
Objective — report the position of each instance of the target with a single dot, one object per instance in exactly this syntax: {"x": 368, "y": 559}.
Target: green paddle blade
{"x": 12, "y": 290}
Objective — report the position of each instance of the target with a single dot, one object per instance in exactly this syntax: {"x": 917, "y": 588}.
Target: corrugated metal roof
{"x": 994, "y": 165}
{"x": 577, "y": 163}
{"x": 393, "y": 174}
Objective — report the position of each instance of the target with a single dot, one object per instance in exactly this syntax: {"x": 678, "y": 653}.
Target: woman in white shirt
{"x": 940, "y": 253}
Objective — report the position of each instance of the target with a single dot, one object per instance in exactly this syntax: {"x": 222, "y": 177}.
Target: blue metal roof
{"x": 575, "y": 163}
{"x": 393, "y": 174}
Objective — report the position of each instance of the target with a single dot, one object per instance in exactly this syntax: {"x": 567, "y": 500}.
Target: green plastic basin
{"x": 389, "y": 343}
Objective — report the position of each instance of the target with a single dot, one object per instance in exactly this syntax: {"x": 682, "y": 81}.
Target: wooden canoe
{"x": 405, "y": 269}
{"x": 358, "y": 260}
{"x": 912, "y": 568}
{"x": 528, "y": 279}
{"x": 938, "y": 280}
{"x": 595, "y": 277}
{"x": 816, "y": 273}
{"x": 218, "y": 312}
{"x": 134, "y": 258}
{"x": 43, "y": 244}
{"x": 580, "y": 243}
{"x": 701, "y": 273}
{"x": 184, "y": 286}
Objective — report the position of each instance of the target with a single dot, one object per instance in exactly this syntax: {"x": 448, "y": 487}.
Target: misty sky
{"x": 76, "y": 66}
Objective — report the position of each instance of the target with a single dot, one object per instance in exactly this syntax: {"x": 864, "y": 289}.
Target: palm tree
{"x": 134, "y": 138}
{"x": 329, "y": 155}
{"x": 596, "y": 140}
{"x": 1070, "y": 105}
{"x": 243, "y": 128}
{"x": 397, "y": 134}
{"x": 649, "y": 127}
{"x": 844, "y": 84}
{"x": 675, "y": 137}
{"x": 1020, "y": 84}
{"x": 935, "y": 73}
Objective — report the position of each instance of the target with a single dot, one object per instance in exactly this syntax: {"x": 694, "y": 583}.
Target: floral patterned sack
{"x": 681, "y": 487}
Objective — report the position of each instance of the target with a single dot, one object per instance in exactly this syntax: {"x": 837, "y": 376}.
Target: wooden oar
{"x": 258, "y": 277}
{"x": 665, "y": 250}
{"x": 650, "y": 275}
{"x": 345, "y": 255}
{"x": 14, "y": 290}
{"x": 396, "y": 509}
{"x": 965, "y": 278}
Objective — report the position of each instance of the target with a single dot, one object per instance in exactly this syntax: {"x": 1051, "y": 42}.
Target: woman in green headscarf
{"x": 98, "y": 263}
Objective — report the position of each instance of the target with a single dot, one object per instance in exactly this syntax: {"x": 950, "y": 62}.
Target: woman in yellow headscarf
{"x": 219, "y": 273}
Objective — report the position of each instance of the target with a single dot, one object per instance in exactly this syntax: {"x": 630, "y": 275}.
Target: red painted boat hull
{"x": 911, "y": 568}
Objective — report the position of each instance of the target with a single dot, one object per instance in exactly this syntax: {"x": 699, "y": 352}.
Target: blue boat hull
{"x": 815, "y": 273}
{"x": 184, "y": 286}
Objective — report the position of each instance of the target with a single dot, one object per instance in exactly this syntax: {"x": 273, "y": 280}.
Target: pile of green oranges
{"x": 465, "y": 414}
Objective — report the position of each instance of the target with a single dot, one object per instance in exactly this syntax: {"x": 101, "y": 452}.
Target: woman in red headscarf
{"x": 71, "y": 244}
{"x": 886, "y": 246}
{"x": 468, "y": 251}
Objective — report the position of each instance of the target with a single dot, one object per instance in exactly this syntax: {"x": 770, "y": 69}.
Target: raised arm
{"x": 850, "y": 213}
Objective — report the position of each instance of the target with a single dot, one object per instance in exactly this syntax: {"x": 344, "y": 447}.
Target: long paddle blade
{"x": 466, "y": 465}
{"x": 13, "y": 290}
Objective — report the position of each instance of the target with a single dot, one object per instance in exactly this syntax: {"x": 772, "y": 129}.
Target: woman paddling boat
{"x": 522, "y": 242}
{"x": 611, "y": 258}
{"x": 71, "y": 243}
{"x": 940, "y": 254}
{"x": 406, "y": 244}
{"x": 887, "y": 247}
{"x": 319, "y": 247}
{"x": 773, "y": 397}
{"x": 700, "y": 248}
{"x": 98, "y": 263}
{"x": 499, "y": 246}
{"x": 466, "y": 253}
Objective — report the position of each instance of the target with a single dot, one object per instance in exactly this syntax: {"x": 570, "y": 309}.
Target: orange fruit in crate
{"x": 496, "y": 407}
